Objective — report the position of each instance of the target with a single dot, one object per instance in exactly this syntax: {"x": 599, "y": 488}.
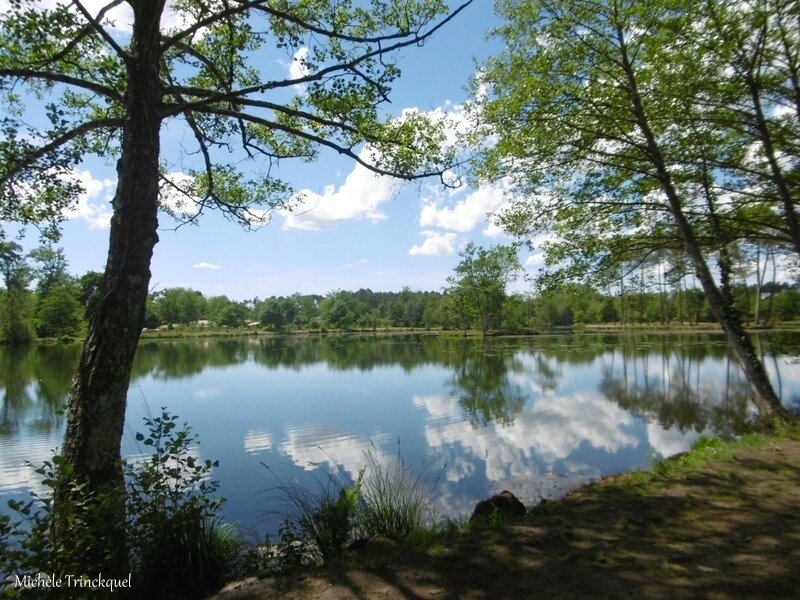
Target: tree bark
{"x": 766, "y": 400}
{"x": 97, "y": 399}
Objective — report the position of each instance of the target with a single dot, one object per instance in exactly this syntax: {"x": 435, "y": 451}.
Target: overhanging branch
{"x": 95, "y": 24}
{"x": 57, "y": 143}
{"x": 26, "y": 73}
{"x": 351, "y": 65}
{"x": 343, "y": 150}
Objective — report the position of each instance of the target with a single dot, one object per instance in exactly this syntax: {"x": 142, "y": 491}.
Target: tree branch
{"x": 262, "y": 6}
{"x": 100, "y": 29}
{"x": 57, "y": 143}
{"x": 234, "y": 95}
{"x": 79, "y": 37}
{"x": 61, "y": 78}
{"x": 209, "y": 64}
{"x": 189, "y": 106}
{"x": 345, "y": 151}
{"x": 209, "y": 20}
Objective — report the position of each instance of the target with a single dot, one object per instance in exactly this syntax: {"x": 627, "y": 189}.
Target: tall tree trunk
{"x": 760, "y": 277}
{"x": 98, "y": 396}
{"x": 769, "y": 405}
{"x": 772, "y": 288}
{"x": 779, "y": 178}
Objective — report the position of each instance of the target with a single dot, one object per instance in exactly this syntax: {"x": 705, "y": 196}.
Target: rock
{"x": 504, "y": 506}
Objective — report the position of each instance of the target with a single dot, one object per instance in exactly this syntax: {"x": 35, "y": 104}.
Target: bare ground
{"x": 727, "y": 529}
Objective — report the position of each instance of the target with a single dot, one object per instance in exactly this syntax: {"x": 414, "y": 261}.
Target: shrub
{"x": 178, "y": 546}
{"x": 58, "y": 314}
{"x": 173, "y": 523}
{"x": 15, "y": 326}
{"x": 30, "y": 547}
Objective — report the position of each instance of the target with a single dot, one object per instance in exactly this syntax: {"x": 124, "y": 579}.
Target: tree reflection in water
{"x": 541, "y": 411}
{"x": 656, "y": 377}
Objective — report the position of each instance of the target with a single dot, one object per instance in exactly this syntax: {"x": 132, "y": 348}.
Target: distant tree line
{"x": 40, "y": 299}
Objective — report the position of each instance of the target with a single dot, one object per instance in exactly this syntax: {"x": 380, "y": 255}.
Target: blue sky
{"x": 355, "y": 230}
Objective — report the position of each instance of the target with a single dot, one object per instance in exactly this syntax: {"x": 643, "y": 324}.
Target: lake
{"x": 536, "y": 415}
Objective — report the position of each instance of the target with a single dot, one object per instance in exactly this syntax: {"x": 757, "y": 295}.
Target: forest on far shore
{"x": 40, "y": 299}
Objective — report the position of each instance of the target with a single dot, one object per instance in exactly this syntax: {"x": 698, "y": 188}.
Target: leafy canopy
{"x": 67, "y": 83}
{"x": 597, "y": 108}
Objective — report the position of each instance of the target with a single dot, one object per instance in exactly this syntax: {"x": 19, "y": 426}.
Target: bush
{"x": 58, "y": 314}
{"x": 15, "y": 325}
{"x": 30, "y": 546}
{"x": 178, "y": 546}
{"x": 174, "y": 526}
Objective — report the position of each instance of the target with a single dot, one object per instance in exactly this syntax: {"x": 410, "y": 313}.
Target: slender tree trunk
{"x": 761, "y": 275}
{"x": 98, "y": 396}
{"x": 772, "y": 288}
{"x": 767, "y": 402}
{"x": 792, "y": 65}
{"x": 777, "y": 175}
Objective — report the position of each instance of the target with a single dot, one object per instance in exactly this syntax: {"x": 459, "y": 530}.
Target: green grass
{"x": 397, "y": 502}
{"x": 705, "y": 450}
{"x": 318, "y": 523}
{"x": 390, "y": 501}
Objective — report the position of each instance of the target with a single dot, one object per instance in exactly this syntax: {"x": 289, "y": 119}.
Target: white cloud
{"x": 363, "y": 191}
{"x": 298, "y": 67}
{"x": 357, "y": 198}
{"x": 493, "y": 230}
{"x": 18, "y": 460}
{"x": 535, "y": 261}
{"x": 94, "y": 203}
{"x": 455, "y": 120}
{"x": 782, "y": 111}
{"x": 668, "y": 442}
{"x": 466, "y": 214}
{"x": 435, "y": 244}
{"x": 552, "y": 429}
{"x": 206, "y": 393}
{"x": 205, "y": 265}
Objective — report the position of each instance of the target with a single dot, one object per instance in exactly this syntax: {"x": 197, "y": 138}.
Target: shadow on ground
{"x": 727, "y": 530}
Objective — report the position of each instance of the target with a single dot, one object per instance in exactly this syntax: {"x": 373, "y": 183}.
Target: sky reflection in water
{"x": 534, "y": 415}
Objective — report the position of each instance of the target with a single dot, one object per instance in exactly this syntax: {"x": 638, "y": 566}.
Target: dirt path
{"x": 727, "y": 529}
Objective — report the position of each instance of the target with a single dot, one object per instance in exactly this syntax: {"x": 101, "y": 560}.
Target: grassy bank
{"x": 193, "y": 332}
{"x": 722, "y": 521}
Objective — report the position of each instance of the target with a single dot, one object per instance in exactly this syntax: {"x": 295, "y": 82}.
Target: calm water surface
{"x": 535, "y": 415}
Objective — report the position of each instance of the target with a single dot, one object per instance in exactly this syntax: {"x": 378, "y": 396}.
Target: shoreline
{"x": 722, "y": 521}
{"x": 188, "y": 332}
